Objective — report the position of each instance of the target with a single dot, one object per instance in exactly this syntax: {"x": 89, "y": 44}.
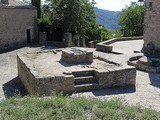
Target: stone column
{"x": 152, "y": 27}
{"x": 83, "y": 42}
{"x": 42, "y": 38}
{"x": 78, "y": 42}
{"x": 67, "y": 39}
{"x": 91, "y": 44}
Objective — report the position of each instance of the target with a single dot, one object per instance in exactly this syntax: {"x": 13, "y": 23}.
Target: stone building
{"x": 152, "y": 27}
{"x": 18, "y": 23}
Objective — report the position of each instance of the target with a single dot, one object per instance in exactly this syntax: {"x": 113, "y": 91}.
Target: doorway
{"x": 28, "y": 36}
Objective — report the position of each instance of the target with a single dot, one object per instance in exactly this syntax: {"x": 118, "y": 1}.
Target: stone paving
{"x": 146, "y": 92}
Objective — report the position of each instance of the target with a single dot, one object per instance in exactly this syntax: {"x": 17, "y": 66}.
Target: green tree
{"x": 70, "y": 15}
{"x": 74, "y": 15}
{"x": 131, "y": 20}
{"x": 37, "y": 3}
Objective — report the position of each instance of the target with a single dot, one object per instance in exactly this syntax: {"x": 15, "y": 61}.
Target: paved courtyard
{"x": 146, "y": 92}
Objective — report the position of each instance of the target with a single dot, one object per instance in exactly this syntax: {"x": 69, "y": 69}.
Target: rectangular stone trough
{"x": 43, "y": 74}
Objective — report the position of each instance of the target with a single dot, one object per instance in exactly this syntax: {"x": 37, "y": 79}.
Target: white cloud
{"x": 113, "y": 5}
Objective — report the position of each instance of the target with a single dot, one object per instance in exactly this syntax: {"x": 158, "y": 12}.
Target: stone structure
{"x": 75, "y": 56}
{"x": 67, "y": 39}
{"x": 152, "y": 27}
{"x": 42, "y": 38}
{"x": 45, "y": 72}
{"x": 18, "y": 23}
{"x": 106, "y": 46}
{"x": 144, "y": 63}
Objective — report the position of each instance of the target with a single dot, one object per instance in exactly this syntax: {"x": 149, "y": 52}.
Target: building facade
{"x": 18, "y": 24}
{"x": 152, "y": 27}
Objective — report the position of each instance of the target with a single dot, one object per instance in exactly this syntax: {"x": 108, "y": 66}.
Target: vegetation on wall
{"x": 131, "y": 20}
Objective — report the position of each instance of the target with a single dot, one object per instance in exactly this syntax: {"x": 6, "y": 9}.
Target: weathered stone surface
{"x": 120, "y": 77}
{"x": 67, "y": 37}
{"x": 91, "y": 44}
{"x": 42, "y": 38}
{"x": 142, "y": 63}
{"x": 44, "y": 73}
{"x": 36, "y": 84}
{"x": 103, "y": 48}
{"x": 146, "y": 92}
{"x": 151, "y": 27}
{"x": 145, "y": 61}
{"x": 74, "y": 56}
{"x": 14, "y": 22}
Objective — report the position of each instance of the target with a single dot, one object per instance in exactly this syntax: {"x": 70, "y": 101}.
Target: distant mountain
{"x": 107, "y": 18}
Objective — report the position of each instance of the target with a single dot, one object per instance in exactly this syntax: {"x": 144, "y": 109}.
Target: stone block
{"x": 75, "y": 56}
{"x": 121, "y": 77}
{"x": 104, "y": 48}
{"x": 42, "y": 38}
{"x": 67, "y": 37}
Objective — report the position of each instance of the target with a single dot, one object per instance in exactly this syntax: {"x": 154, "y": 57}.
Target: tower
{"x": 152, "y": 27}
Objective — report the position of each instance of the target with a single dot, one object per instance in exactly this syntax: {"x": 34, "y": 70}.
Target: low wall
{"x": 106, "y": 47}
{"x": 120, "y": 77}
{"x": 133, "y": 61}
{"x": 37, "y": 84}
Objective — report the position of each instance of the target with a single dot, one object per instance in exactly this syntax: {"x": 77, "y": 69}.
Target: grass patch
{"x": 78, "y": 108}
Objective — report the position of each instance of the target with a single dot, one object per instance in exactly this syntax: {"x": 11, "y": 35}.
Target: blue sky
{"x": 113, "y": 5}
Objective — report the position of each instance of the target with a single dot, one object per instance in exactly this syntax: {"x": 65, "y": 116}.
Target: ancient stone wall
{"x": 37, "y": 84}
{"x": 121, "y": 77}
{"x": 68, "y": 79}
{"x": 152, "y": 27}
{"x": 14, "y": 23}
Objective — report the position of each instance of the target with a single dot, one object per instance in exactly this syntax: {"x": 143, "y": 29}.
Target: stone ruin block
{"x": 75, "y": 56}
{"x": 104, "y": 48}
{"x": 67, "y": 39}
{"x": 44, "y": 79}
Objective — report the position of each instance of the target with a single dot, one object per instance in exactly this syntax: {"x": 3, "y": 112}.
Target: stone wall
{"x": 37, "y": 84}
{"x": 71, "y": 80}
{"x": 106, "y": 46}
{"x": 123, "y": 76}
{"x": 76, "y": 56}
{"x": 152, "y": 27}
{"x": 42, "y": 38}
{"x": 14, "y": 22}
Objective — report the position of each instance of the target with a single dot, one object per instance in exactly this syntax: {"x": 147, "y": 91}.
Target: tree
{"x": 37, "y": 3}
{"x": 131, "y": 20}
{"x": 70, "y": 15}
{"x": 74, "y": 15}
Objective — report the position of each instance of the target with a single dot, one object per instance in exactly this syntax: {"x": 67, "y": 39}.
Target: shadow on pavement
{"x": 14, "y": 87}
{"x": 155, "y": 79}
{"x": 115, "y": 90}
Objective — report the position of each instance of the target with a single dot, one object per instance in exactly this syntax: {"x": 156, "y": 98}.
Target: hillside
{"x": 107, "y": 18}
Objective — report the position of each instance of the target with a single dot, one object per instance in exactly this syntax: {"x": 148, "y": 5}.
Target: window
{"x": 150, "y": 5}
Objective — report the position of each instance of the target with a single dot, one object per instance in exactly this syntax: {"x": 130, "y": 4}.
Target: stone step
{"x": 84, "y": 80}
{"x": 83, "y": 73}
{"x": 86, "y": 87}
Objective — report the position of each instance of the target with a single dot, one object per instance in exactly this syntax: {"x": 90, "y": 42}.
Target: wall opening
{"x": 150, "y": 5}
{"x": 28, "y": 36}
